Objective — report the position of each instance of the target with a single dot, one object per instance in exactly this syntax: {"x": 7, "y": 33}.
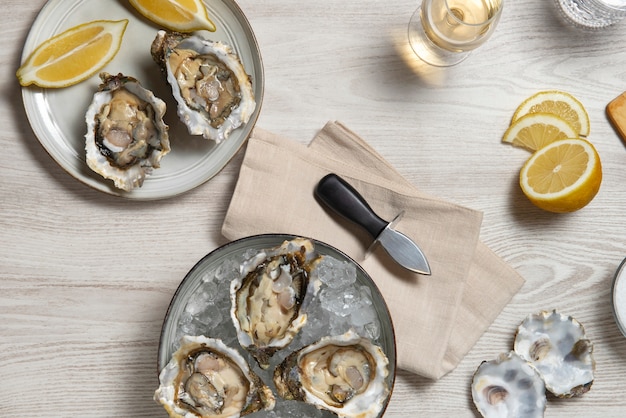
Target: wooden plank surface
{"x": 85, "y": 278}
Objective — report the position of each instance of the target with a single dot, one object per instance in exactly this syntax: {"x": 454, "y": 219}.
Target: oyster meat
{"x": 270, "y": 297}
{"x": 126, "y": 136}
{"x": 557, "y": 346}
{"x": 508, "y": 387}
{"x": 344, "y": 374}
{"x": 205, "y": 378}
{"x": 212, "y": 89}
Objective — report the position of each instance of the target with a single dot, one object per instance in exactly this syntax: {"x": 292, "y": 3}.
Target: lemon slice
{"x": 536, "y": 130}
{"x": 563, "y": 176}
{"x": 559, "y": 103}
{"x": 74, "y": 55}
{"x": 177, "y": 15}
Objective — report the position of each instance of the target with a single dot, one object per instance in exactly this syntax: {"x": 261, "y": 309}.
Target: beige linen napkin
{"x": 437, "y": 318}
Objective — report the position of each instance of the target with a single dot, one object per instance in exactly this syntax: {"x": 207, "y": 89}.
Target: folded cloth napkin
{"x": 437, "y": 318}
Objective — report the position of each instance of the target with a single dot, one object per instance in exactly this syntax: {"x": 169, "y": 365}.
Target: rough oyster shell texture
{"x": 357, "y": 370}
{"x": 269, "y": 299}
{"x": 557, "y": 346}
{"x": 343, "y": 374}
{"x": 126, "y": 136}
{"x": 206, "y": 378}
{"x": 508, "y": 387}
{"x": 212, "y": 89}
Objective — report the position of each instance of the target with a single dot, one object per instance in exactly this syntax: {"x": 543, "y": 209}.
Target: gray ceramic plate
{"x": 234, "y": 250}
{"x": 57, "y": 115}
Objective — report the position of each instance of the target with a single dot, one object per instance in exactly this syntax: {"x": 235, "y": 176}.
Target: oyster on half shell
{"x": 212, "y": 89}
{"x": 344, "y": 374}
{"x": 508, "y": 387}
{"x": 557, "y": 346}
{"x": 205, "y": 378}
{"x": 126, "y": 136}
{"x": 270, "y": 297}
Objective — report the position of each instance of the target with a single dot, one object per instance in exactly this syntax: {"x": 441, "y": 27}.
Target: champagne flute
{"x": 444, "y": 32}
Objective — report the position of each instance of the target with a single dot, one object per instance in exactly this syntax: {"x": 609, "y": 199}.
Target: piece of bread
{"x": 616, "y": 111}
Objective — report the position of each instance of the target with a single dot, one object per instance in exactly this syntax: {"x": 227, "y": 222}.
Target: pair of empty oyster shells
{"x": 551, "y": 351}
{"x": 344, "y": 374}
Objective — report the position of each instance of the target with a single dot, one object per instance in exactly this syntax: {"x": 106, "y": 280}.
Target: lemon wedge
{"x": 177, "y": 15}
{"x": 563, "y": 176}
{"x": 536, "y": 130}
{"x": 74, "y": 55}
{"x": 559, "y": 103}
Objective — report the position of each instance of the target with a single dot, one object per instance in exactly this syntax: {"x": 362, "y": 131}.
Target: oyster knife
{"x": 340, "y": 196}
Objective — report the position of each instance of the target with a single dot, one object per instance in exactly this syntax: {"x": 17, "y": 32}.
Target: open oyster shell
{"x": 269, "y": 299}
{"x": 205, "y": 378}
{"x": 344, "y": 374}
{"x": 557, "y": 346}
{"x": 508, "y": 387}
{"x": 126, "y": 136}
{"x": 208, "y": 81}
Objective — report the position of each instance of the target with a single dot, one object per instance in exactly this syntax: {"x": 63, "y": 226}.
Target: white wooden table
{"x": 85, "y": 277}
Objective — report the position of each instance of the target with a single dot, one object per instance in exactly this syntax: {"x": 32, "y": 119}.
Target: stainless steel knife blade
{"x": 340, "y": 196}
{"x": 402, "y": 249}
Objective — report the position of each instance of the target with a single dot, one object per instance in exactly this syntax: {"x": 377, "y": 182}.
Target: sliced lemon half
{"x": 73, "y": 55}
{"x": 177, "y": 15}
{"x": 563, "y": 176}
{"x": 559, "y": 103}
{"x": 536, "y": 130}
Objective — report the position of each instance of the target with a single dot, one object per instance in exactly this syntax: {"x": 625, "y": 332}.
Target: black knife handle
{"x": 337, "y": 194}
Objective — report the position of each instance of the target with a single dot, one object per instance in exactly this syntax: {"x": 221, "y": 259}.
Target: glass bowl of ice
{"x": 347, "y": 300}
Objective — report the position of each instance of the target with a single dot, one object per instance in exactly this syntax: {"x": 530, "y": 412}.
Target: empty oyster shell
{"x": 126, "y": 136}
{"x": 344, "y": 374}
{"x": 269, "y": 299}
{"x": 557, "y": 346}
{"x": 508, "y": 387}
{"x": 205, "y": 378}
{"x": 210, "y": 85}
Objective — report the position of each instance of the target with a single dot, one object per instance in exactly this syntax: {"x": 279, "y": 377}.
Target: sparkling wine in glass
{"x": 443, "y": 32}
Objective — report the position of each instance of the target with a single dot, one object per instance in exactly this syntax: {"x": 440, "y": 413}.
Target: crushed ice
{"x": 341, "y": 304}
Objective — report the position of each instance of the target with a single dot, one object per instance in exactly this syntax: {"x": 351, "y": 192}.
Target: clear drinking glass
{"x": 444, "y": 32}
{"x": 593, "y": 14}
